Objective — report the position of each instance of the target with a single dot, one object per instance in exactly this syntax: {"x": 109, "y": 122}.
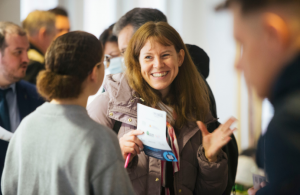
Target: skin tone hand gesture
{"x": 130, "y": 143}
{"x": 253, "y": 191}
{"x": 213, "y": 142}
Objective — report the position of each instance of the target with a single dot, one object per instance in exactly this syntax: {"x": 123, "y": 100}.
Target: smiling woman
{"x": 159, "y": 67}
{"x": 161, "y": 74}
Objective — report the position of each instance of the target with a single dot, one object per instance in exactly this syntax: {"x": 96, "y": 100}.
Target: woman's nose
{"x": 158, "y": 63}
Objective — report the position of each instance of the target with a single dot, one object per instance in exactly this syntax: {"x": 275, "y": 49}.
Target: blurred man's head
{"x": 62, "y": 22}
{"x": 133, "y": 20}
{"x": 40, "y": 28}
{"x": 269, "y": 33}
{"x": 13, "y": 53}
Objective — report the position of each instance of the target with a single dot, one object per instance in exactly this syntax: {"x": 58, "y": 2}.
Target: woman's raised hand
{"x": 130, "y": 143}
{"x": 213, "y": 142}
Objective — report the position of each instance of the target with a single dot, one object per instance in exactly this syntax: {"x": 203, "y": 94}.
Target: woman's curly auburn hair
{"x": 188, "y": 95}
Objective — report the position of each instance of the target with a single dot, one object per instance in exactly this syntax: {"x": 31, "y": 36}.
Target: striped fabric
{"x": 174, "y": 145}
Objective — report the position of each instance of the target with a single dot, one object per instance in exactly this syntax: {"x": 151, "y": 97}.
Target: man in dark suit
{"x": 17, "y": 98}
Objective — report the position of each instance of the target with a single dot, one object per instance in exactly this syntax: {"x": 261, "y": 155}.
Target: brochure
{"x": 153, "y": 123}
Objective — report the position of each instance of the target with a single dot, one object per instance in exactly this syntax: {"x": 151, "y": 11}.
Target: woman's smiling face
{"x": 160, "y": 65}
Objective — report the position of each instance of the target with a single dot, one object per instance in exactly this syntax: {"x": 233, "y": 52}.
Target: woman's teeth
{"x": 159, "y": 74}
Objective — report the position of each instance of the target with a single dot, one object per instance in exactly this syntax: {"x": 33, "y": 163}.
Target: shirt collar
{"x": 12, "y": 86}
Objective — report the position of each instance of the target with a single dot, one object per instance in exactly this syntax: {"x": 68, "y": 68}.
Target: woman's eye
{"x": 148, "y": 57}
{"x": 165, "y": 55}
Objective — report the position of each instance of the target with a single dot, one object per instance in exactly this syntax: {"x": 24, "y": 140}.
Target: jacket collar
{"x": 287, "y": 82}
{"x": 122, "y": 98}
{"x": 35, "y": 48}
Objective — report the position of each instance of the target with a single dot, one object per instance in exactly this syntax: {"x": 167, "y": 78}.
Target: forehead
{"x": 62, "y": 20}
{"x": 125, "y": 35}
{"x": 238, "y": 23}
{"x": 153, "y": 45}
{"x": 245, "y": 24}
{"x": 14, "y": 41}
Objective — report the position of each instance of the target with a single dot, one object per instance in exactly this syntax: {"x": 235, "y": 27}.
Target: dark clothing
{"x": 36, "y": 64}
{"x": 201, "y": 61}
{"x": 28, "y": 100}
{"x": 282, "y": 140}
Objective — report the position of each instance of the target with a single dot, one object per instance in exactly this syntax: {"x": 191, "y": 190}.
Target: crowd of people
{"x": 71, "y": 99}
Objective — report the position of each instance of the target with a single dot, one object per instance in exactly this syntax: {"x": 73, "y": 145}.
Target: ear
{"x": 276, "y": 29}
{"x": 42, "y": 32}
{"x": 94, "y": 74}
{"x": 181, "y": 55}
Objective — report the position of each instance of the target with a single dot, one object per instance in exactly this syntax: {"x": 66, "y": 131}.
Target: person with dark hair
{"x": 18, "y": 98}
{"x": 112, "y": 54}
{"x": 113, "y": 61}
{"x": 110, "y": 42}
{"x": 126, "y": 26}
{"x": 269, "y": 33}
{"x": 161, "y": 74}
{"x": 132, "y": 21}
{"x": 59, "y": 149}
{"x": 62, "y": 23}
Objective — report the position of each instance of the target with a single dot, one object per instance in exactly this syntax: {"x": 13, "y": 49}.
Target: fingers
{"x": 131, "y": 150}
{"x": 252, "y": 191}
{"x": 227, "y": 124}
{"x": 229, "y": 132}
{"x": 132, "y": 145}
{"x": 203, "y": 128}
{"x": 263, "y": 184}
{"x": 135, "y": 132}
{"x": 132, "y": 137}
{"x": 129, "y": 143}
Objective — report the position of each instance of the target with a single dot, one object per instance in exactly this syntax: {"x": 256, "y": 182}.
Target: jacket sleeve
{"x": 98, "y": 110}
{"x": 212, "y": 177}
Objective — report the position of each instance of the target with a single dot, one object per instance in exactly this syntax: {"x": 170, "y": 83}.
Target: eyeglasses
{"x": 123, "y": 51}
{"x": 107, "y": 60}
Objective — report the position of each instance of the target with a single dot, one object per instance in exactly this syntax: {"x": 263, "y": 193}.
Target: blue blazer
{"x": 28, "y": 100}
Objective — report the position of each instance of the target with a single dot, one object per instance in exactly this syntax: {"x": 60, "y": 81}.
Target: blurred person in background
{"x": 40, "y": 28}
{"x": 62, "y": 23}
{"x": 18, "y": 98}
{"x": 269, "y": 33}
{"x": 125, "y": 28}
{"x": 58, "y": 149}
{"x": 113, "y": 61}
{"x": 161, "y": 74}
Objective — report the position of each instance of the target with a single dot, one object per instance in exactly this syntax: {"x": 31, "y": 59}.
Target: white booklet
{"x": 154, "y": 123}
{"x": 5, "y": 135}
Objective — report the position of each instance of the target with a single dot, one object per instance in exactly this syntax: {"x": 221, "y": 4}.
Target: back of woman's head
{"x": 189, "y": 93}
{"x": 69, "y": 60}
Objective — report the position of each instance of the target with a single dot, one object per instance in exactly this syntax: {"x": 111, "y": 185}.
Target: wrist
{"x": 212, "y": 159}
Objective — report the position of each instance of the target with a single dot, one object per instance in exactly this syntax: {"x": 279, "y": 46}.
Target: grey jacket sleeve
{"x": 212, "y": 177}
{"x": 113, "y": 181}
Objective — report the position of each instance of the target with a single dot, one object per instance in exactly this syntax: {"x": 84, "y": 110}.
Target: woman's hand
{"x": 129, "y": 143}
{"x": 213, "y": 142}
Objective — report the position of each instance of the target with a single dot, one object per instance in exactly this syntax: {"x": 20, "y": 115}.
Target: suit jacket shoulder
{"x": 27, "y": 98}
